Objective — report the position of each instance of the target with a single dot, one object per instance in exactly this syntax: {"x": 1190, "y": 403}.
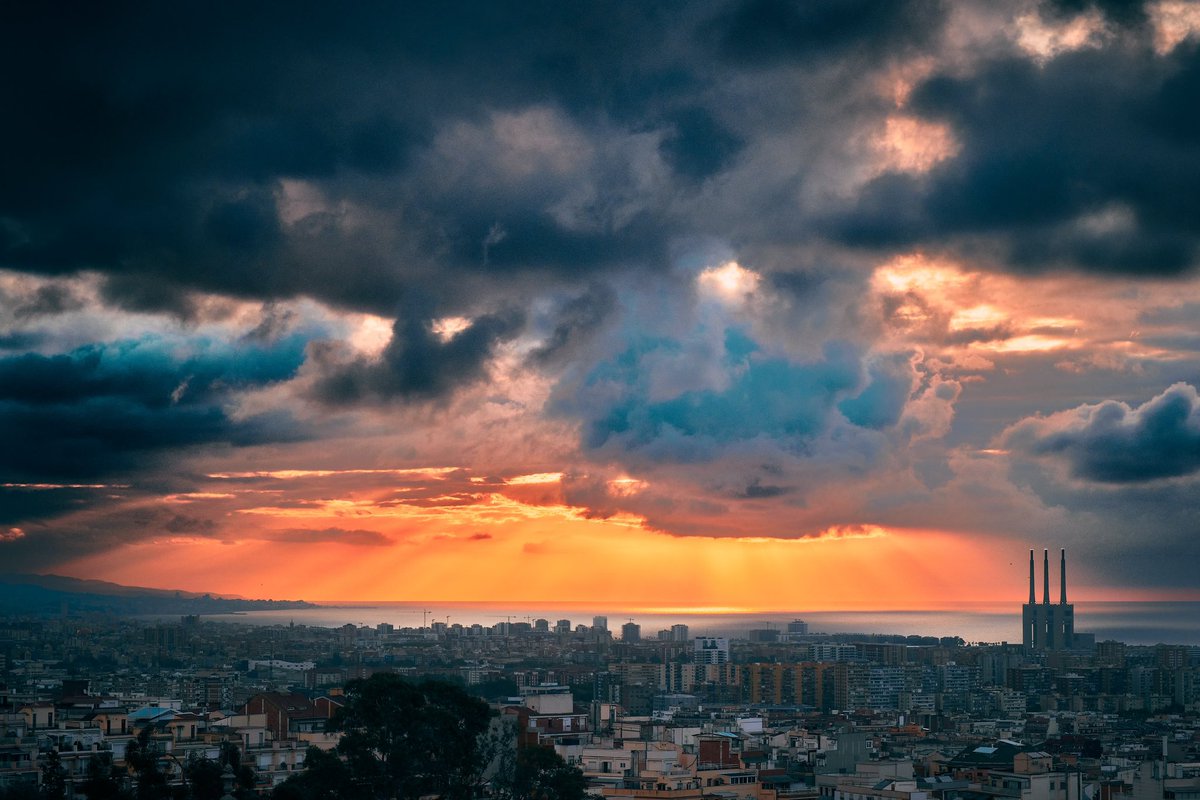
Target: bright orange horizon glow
{"x": 554, "y": 559}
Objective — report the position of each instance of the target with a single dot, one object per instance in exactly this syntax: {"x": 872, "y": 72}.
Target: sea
{"x": 1132, "y": 622}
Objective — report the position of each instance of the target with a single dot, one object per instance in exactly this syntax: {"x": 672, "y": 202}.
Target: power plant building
{"x": 1046, "y": 625}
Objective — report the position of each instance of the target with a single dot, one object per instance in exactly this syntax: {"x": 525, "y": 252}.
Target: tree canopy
{"x": 402, "y": 740}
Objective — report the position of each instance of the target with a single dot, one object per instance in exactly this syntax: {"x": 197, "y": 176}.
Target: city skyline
{"x": 729, "y": 305}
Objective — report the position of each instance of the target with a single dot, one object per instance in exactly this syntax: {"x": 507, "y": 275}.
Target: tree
{"x": 102, "y": 779}
{"x": 54, "y": 777}
{"x": 406, "y": 740}
{"x": 539, "y": 773}
{"x": 204, "y": 779}
{"x": 325, "y": 777}
{"x": 141, "y": 755}
{"x": 231, "y": 756}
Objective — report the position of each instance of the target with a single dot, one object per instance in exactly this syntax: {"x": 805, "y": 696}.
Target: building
{"x": 631, "y": 632}
{"x": 289, "y": 715}
{"x": 711, "y": 650}
{"x": 547, "y": 716}
{"x": 679, "y": 633}
{"x": 1046, "y": 626}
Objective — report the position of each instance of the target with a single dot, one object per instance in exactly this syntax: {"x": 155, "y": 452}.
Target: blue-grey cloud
{"x": 106, "y": 409}
{"x": 767, "y": 397}
{"x": 890, "y": 383}
{"x": 1112, "y": 442}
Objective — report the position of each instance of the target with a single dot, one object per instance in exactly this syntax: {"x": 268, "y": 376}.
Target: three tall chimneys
{"x": 1046, "y": 578}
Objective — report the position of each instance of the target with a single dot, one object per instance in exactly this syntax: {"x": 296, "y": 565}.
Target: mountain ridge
{"x": 42, "y": 594}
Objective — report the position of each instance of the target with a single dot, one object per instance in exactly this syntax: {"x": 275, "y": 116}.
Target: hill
{"x": 22, "y": 593}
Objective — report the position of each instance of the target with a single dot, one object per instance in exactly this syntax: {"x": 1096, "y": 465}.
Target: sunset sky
{"x": 755, "y": 305}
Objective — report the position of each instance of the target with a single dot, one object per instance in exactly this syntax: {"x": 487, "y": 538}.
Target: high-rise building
{"x": 679, "y": 633}
{"x": 1047, "y": 626}
{"x": 631, "y": 632}
{"x": 711, "y": 650}
{"x": 600, "y": 624}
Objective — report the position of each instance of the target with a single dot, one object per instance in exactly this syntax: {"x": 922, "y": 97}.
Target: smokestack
{"x": 1046, "y": 576}
{"x": 1032, "y": 592}
{"x": 1062, "y": 571}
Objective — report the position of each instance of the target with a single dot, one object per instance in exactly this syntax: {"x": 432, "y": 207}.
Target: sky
{"x": 750, "y": 304}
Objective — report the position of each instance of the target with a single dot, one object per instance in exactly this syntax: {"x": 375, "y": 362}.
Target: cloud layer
{"x": 741, "y": 269}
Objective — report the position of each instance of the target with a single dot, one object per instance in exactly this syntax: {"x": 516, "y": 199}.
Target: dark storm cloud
{"x": 151, "y": 139}
{"x": 574, "y": 321}
{"x": 48, "y": 300}
{"x": 698, "y": 145}
{"x": 764, "y": 32}
{"x": 20, "y": 502}
{"x": 103, "y": 409}
{"x": 417, "y": 362}
{"x": 98, "y": 529}
{"x": 155, "y": 142}
{"x": 1114, "y": 443}
{"x": 1083, "y": 162}
{"x": 1123, "y": 12}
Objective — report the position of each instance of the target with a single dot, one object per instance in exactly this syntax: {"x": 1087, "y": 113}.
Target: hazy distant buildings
{"x": 762, "y": 635}
{"x": 600, "y": 624}
{"x": 631, "y": 632}
{"x": 679, "y": 633}
{"x": 1047, "y": 626}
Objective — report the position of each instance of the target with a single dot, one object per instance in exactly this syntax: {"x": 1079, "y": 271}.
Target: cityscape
{"x": 765, "y": 714}
{"x": 568, "y": 399}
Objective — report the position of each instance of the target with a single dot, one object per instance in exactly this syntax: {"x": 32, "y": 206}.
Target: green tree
{"x": 539, "y": 773}
{"x": 141, "y": 755}
{"x": 204, "y": 779}
{"x": 103, "y": 779}
{"x": 54, "y": 777}
{"x": 325, "y": 777}
{"x": 406, "y": 740}
{"x": 244, "y": 776}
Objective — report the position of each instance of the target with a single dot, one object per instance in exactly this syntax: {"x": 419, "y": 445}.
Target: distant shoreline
{"x": 1133, "y": 622}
